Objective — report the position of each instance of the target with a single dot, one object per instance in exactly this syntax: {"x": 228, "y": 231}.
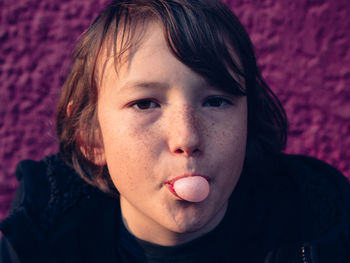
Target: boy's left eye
{"x": 145, "y": 104}
{"x": 216, "y": 102}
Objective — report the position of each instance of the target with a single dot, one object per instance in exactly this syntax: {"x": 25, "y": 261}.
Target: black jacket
{"x": 292, "y": 209}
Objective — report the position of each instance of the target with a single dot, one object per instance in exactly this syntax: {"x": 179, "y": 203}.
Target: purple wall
{"x": 302, "y": 48}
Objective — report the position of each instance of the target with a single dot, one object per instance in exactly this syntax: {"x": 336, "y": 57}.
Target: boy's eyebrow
{"x": 145, "y": 84}
{"x": 153, "y": 84}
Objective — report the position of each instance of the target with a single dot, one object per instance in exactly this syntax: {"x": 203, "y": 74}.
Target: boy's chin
{"x": 197, "y": 218}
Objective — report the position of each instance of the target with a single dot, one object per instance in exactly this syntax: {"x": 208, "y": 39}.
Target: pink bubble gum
{"x": 192, "y": 188}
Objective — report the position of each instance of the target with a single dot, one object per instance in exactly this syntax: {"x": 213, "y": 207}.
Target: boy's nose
{"x": 184, "y": 133}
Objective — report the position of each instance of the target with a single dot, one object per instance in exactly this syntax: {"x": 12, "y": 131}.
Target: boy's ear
{"x": 69, "y": 108}
{"x": 98, "y": 155}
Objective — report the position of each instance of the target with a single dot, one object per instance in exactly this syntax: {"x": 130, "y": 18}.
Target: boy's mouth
{"x": 189, "y": 187}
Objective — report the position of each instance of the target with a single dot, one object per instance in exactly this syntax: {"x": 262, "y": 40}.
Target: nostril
{"x": 188, "y": 152}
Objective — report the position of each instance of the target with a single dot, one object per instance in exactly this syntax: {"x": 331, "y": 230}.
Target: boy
{"x": 177, "y": 138}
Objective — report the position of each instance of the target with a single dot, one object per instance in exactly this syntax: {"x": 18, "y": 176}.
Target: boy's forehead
{"x": 145, "y": 63}
{"x": 122, "y": 47}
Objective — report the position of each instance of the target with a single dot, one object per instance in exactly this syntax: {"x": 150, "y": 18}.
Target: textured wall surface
{"x": 303, "y": 49}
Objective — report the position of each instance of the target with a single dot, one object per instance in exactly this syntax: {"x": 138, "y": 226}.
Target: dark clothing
{"x": 284, "y": 209}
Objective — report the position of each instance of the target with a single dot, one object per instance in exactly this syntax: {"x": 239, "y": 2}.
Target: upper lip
{"x": 172, "y": 181}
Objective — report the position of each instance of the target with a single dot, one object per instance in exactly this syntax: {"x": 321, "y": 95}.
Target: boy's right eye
{"x": 144, "y": 104}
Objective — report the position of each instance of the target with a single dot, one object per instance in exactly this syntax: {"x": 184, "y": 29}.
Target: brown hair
{"x": 203, "y": 35}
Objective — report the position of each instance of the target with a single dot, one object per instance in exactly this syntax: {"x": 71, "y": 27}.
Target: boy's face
{"x": 160, "y": 120}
